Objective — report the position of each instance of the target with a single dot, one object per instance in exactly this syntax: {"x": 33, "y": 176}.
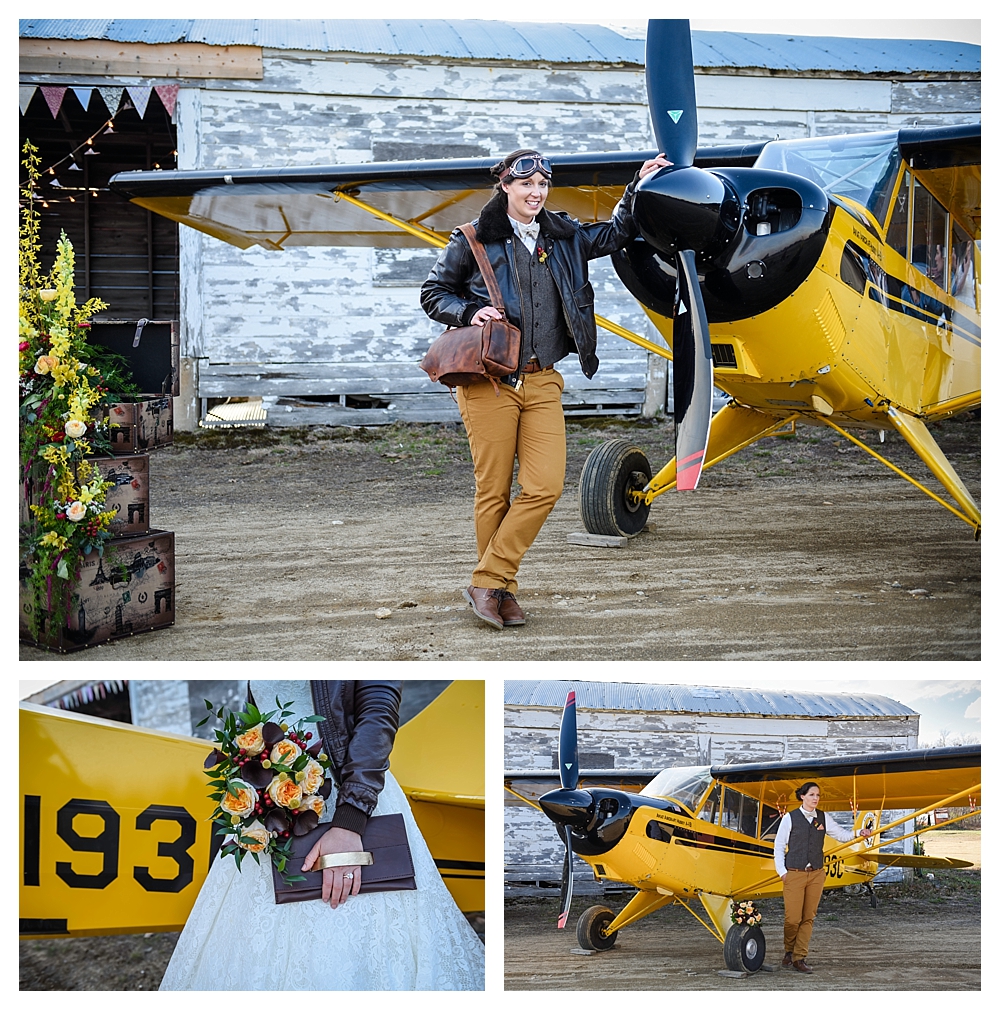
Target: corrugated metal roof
{"x": 691, "y": 698}
{"x": 528, "y": 42}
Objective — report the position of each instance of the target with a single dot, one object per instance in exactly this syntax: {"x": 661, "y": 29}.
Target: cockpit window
{"x": 861, "y": 167}
{"x": 686, "y": 785}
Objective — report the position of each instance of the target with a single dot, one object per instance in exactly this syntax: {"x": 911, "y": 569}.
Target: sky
{"x": 949, "y": 707}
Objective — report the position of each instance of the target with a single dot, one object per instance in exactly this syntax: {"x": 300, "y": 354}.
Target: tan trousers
{"x": 529, "y": 423}
{"x": 802, "y": 890}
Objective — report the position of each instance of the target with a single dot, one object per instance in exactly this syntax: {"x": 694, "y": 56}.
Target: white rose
{"x": 75, "y": 429}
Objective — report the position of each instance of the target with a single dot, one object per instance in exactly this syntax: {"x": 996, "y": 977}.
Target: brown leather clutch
{"x": 391, "y": 869}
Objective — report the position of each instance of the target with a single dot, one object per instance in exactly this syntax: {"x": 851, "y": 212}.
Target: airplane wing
{"x": 922, "y": 862}
{"x": 381, "y": 204}
{"x": 894, "y": 780}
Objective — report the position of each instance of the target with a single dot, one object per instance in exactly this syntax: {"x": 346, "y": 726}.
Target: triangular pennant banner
{"x": 168, "y": 95}
{"x": 53, "y": 98}
{"x": 140, "y": 98}
{"x": 83, "y": 96}
{"x": 675, "y": 114}
{"x": 24, "y": 96}
{"x": 112, "y": 98}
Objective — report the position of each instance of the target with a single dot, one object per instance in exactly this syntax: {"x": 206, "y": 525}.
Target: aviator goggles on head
{"x": 526, "y": 167}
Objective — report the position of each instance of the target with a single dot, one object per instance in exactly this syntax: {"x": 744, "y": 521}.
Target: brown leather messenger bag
{"x": 468, "y": 354}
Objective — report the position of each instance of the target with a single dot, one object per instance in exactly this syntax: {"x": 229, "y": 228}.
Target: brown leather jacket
{"x": 361, "y": 719}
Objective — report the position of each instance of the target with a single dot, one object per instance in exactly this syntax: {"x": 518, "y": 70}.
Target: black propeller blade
{"x": 569, "y": 767}
{"x": 569, "y": 776}
{"x": 566, "y": 894}
{"x": 670, "y": 89}
{"x": 679, "y": 211}
{"x": 692, "y": 374}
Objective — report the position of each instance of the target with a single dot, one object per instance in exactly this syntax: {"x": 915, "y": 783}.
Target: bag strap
{"x": 485, "y": 267}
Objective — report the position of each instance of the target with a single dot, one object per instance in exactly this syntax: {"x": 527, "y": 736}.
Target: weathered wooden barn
{"x": 333, "y": 335}
{"x": 643, "y": 728}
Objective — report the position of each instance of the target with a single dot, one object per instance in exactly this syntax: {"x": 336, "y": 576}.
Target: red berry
{"x": 309, "y": 736}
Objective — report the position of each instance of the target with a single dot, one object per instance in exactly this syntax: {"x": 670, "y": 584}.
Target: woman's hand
{"x": 487, "y": 312}
{"x": 654, "y": 165}
{"x": 339, "y": 882}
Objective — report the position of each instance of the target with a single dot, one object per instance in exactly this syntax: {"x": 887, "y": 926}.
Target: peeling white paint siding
{"x": 319, "y": 321}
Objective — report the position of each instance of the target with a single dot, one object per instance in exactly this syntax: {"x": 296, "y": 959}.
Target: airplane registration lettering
{"x": 108, "y": 843}
{"x": 834, "y": 867}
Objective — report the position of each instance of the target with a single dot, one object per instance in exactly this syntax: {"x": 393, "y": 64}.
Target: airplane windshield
{"x": 862, "y": 168}
{"x": 685, "y": 785}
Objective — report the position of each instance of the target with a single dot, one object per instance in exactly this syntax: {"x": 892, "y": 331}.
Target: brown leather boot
{"x": 486, "y": 604}
{"x": 511, "y": 611}
{"x": 802, "y": 966}
{"x": 786, "y": 961}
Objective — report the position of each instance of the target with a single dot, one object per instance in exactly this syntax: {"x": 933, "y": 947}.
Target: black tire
{"x": 610, "y": 471}
{"x": 745, "y": 948}
{"x": 590, "y": 929}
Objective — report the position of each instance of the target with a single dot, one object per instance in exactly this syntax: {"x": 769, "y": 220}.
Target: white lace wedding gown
{"x": 237, "y": 938}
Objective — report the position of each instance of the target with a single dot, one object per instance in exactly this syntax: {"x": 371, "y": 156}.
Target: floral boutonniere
{"x": 542, "y": 254}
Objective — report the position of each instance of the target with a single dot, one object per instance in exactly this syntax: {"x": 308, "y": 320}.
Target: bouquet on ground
{"x": 744, "y": 913}
{"x": 268, "y": 779}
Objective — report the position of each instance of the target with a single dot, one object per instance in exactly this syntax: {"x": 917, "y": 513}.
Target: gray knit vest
{"x": 805, "y": 843}
{"x": 543, "y": 325}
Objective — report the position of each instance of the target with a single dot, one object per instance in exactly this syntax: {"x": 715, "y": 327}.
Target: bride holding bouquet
{"x": 238, "y": 938}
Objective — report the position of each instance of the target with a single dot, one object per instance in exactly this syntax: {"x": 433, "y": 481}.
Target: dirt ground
{"x": 112, "y": 963}
{"x": 924, "y": 935}
{"x": 800, "y": 547}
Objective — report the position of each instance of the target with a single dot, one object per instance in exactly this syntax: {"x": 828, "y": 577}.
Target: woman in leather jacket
{"x": 540, "y": 262}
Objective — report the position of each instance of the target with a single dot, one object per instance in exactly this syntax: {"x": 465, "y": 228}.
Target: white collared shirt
{"x": 530, "y": 241}
{"x": 785, "y": 829}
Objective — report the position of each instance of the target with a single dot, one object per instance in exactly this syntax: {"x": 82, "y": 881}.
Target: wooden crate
{"x": 142, "y": 426}
{"x": 128, "y": 591}
{"x": 129, "y": 497}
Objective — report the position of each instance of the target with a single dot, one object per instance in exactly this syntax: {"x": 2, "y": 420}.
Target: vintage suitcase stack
{"x": 131, "y": 588}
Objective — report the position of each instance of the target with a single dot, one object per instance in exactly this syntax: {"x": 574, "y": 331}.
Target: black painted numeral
{"x": 106, "y": 842}
{"x": 177, "y": 850}
{"x": 32, "y": 839}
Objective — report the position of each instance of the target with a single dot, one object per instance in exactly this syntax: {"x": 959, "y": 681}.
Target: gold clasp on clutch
{"x": 344, "y": 859}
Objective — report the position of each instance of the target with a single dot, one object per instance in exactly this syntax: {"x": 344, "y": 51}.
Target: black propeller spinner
{"x": 744, "y": 238}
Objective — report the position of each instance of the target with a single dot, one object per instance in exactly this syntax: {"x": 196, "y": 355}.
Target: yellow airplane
{"x": 115, "y": 829}
{"x": 828, "y": 281}
{"x": 707, "y": 833}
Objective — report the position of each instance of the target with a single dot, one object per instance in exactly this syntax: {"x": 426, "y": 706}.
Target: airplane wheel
{"x": 590, "y": 926}
{"x": 744, "y": 949}
{"x": 610, "y": 471}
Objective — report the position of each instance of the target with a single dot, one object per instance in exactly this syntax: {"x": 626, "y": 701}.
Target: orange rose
{"x": 252, "y": 741}
{"x": 242, "y": 802}
{"x": 285, "y": 792}
{"x": 312, "y": 777}
{"x": 285, "y": 752}
{"x": 260, "y": 835}
{"x": 46, "y": 363}
{"x": 313, "y": 803}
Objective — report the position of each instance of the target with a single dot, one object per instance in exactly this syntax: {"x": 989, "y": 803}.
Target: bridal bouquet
{"x": 745, "y": 913}
{"x": 268, "y": 779}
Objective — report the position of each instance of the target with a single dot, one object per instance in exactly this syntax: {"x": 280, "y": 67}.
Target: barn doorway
{"x": 125, "y": 255}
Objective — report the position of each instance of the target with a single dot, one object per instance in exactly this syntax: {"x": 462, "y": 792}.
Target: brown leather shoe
{"x": 786, "y": 961}
{"x": 802, "y": 966}
{"x": 486, "y": 604}
{"x": 511, "y": 611}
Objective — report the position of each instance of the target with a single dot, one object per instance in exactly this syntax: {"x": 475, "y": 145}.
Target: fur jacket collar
{"x": 493, "y": 225}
